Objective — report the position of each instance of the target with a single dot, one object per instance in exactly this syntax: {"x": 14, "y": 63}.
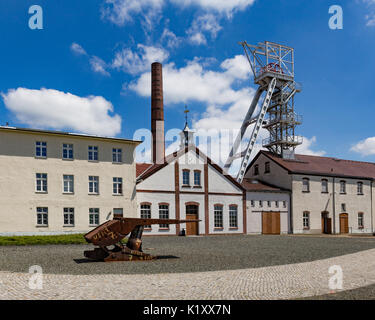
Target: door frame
{"x": 346, "y": 217}
{"x": 196, "y": 204}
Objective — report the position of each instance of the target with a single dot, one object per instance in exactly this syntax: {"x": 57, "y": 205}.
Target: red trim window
{"x": 146, "y": 213}
{"x": 233, "y": 216}
{"x": 218, "y": 216}
{"x": 163, "y": 214}
{"x": 186, "y": 177}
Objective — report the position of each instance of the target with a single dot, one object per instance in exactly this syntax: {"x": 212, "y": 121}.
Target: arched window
{"x": 218, "y": 216}
{"x": 164, "y": 214}
{"x": 306, "y": 220}
{"x": 361, "y": 222}
{"x": 146, "y": 212}
{"x": 305, "y": 185}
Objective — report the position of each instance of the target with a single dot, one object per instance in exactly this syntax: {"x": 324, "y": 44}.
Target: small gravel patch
{"x": 186, "y": 254}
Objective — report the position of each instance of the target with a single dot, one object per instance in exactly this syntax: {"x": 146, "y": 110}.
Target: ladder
{"x": 258, "y": 125}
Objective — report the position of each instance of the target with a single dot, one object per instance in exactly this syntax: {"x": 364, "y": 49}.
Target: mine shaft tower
{"x": 272, "y": 65}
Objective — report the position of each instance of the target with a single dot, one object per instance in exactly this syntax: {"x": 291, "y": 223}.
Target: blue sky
{"x": 88, "y": 69}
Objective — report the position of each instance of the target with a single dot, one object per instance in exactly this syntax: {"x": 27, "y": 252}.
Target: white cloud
{"x": 203, "y": 24}
{"x": 49, "y": 108}
{"x": 306, "y": 147}
{"x": 370, "y": 20}
{"x": 194, "y": 83}
{"x": 138, "y": 62}
{"x": 170, "y": 38}
{"x": 223, "y": 6}
{"x": 365, "y": 147}
{"x": 76, "y": 48}
{"x": 121, "y": 11}
{"x": 99, "y": 66}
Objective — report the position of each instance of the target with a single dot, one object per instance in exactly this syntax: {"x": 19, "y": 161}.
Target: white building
{"x": 190, "y": 186}
{"x": 328, "y": 195}
{"x": 55, "y": 182}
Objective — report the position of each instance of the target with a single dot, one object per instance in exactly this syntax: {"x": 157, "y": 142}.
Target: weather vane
{"x": 186, "y": 114}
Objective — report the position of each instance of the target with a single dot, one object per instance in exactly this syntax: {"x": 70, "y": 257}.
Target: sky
{"x": 88, "y": 69}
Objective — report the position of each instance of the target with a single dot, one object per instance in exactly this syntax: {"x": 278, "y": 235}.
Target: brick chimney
{"x": 157, "y": 113}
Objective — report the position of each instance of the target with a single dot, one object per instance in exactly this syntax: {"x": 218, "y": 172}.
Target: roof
{"x": 325, "y": 166}
{"x": 260, "y": 186}
{"x": 169, "y": 158}
{"x": 142, "y": 167}
{"x": 62, "y": 133}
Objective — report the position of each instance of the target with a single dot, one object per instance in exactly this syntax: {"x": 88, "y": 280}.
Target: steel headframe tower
{"x": 273, "y": 68}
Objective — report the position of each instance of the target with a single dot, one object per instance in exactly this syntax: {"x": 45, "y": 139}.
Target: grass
{"x": 42, "y": 240}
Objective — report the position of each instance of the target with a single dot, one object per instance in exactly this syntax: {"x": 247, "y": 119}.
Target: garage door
{"x": 271, "y": 222}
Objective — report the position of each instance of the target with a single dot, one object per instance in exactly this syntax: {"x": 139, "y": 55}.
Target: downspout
{"x": 334, "y": 206}
{"x": 372, "y": 205}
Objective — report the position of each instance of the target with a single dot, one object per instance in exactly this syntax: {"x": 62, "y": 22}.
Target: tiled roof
{"x": 325, "y": 166}
{"x": 142, "y": 167}
{"x": 259, "y": 186}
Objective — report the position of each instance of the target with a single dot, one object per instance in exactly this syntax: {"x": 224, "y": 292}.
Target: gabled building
{"x": 188, "y": 185}
{"x": 328, "y": 195}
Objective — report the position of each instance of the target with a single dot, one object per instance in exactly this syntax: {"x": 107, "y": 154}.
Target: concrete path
{"x": 276, "y": 282}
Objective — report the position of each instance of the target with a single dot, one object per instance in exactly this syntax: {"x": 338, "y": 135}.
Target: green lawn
{"x": 40, "y": 240}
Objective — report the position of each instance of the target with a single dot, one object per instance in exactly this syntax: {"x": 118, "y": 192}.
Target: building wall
{"x": 18, "y": 168}
{"x": 277, "y": 175}
{"x": 317, "y": 202}
{"x": 255, "y": 210}
{"x": 161, "y": 186}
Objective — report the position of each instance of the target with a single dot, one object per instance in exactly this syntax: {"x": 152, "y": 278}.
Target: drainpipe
{"x": 372, "y": 218}
{"x": 291, "y": 211}
{"x": 334, "y": 206}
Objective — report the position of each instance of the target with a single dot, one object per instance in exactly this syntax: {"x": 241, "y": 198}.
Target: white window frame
{"x": 218, "y": 216}
{"x": 305, "y": 185}
{"x": 93, "y": 153}
{"x": 68, "y": 181}
{"x": 324, "y": 186}
{"x": 342, "y": 187}
{"x": 42, "y": 215}
{"x": 116, "y": 155}
{"x": 94, "y": 217}
{"x": 233, "y": 216}
{"x": 68, "y": 215}
{"x": 67, "y": 151}
{"x": 164, "y": 214}
{"x": 145, "y": 213}
{"x": 117, "y": 186}
{"x": 361, "y": 220}
{"x": 185, "y": 177}
{"x": 40, "y": 146}
{"x": 197, "y": 178}
{"x": 41, "y": 182}
{"x": 93, "y": 185}
{"x": 306, "y": 220}
{"x": 360, "y": 188}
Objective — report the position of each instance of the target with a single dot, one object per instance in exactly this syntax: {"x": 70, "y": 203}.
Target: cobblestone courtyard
{"x": 237, "y": 267}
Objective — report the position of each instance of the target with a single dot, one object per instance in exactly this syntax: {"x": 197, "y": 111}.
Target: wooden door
{"x": 344, "y": 223}
{"x": 271, "y": 223}
{"x": 326, "y": 223}
{"x": 192, "y": 228}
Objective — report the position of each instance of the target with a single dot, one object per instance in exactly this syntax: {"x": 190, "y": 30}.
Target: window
{"x": 93, "y": 153}
{"x": 252, "y": 202}
{"x": 197, "y": 178}
{"x": 306, "y": 220}
{"x": 68, "y": 216}
{"x": 267, "y": 167}
{"x": 146, "y": 213}
{"x": 117, "y": 155}
{"x": 276, "y": 204}
{"x": 360, "y": 221}
{"x": 117, "y": 185}
{"x": 94, "y": 216}
{"x": 269, "y": 204}
{"x": 218, "y": 216}
{"x": 360, "y": 188}
{"x": 118, "y": 212}
{"x": 284, "y": 204}
{"x": 186, "y": 177}
{"x": 41, "y": 149}
{"x": 342, "y": 187}
{"x": 233, "y": 216}
{"x": 67, "y": 151}
{"x": 41, "y": 182}
{"x": 261, "y": 203}
{"x": 343, "y": 207}
{"x": 256, "y": 170}
{"x": 324, "y": 186}
{"x": 68, "y": 183}
{"x": 93, "y": 184}
{"x": 163, "y": 214}
{"x": 305, "y": 185}
{"x": 42, "y": 216}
